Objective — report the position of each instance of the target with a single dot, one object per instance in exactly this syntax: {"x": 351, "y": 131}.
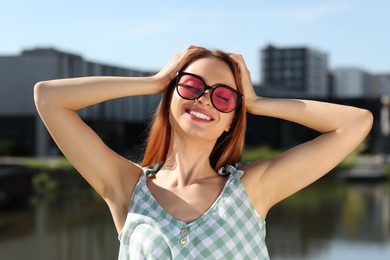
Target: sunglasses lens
{"x": 224, "y": 99}
{"x": 190, "y": 87}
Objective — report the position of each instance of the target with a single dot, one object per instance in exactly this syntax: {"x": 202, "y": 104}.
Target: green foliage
{"x": 55, "y": 174}
{"x": 314, "y": 196}
{"x": 255, "y": 153}
{"x": 350, "y": 161}
{"x": 48, "y": 164}
{"x": 44, "y": 182}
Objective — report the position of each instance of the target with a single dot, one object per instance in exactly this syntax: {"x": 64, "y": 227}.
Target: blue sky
{"x": 145, "y": 34}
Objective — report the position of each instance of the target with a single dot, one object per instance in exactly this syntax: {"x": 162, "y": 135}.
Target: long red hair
{"x": 229, "y": 146}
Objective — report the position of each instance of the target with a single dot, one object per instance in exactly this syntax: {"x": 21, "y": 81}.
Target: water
{"x": 328, "y": 220}
{"x": 74, "y": 228}
{"x": 332, "y": 220}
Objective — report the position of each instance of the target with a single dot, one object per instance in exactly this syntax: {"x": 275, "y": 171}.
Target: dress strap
{"x": 230, "y": 170}
{"x": 151, "y": 171}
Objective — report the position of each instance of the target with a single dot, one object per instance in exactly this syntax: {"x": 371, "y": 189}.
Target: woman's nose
{"x": 205, "y": 99}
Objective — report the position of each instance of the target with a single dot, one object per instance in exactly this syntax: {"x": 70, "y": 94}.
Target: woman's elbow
{"x": 40, "y": 93}
{"x": 366, "y": 120}
{"x": 368, "y": 117}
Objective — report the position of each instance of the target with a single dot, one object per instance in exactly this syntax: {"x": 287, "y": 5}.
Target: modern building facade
{"x": 297, "y": 71}
{"x": 381, "y": 84}
{"x": 121, "y": 123}
{"x": 352, "y": 83}
{"x": 18, "y": 75}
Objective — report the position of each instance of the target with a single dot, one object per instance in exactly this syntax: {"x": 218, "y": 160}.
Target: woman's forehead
{"x": 213, "y": 71}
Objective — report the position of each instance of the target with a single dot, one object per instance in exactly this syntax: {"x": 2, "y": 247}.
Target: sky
{"x": 146, "y": 34}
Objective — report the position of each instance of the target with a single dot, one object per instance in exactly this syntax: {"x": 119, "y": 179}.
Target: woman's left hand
{"x": 249, "y": 92}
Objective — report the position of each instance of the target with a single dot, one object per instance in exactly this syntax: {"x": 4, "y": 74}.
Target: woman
{"x": 196, "y": 204}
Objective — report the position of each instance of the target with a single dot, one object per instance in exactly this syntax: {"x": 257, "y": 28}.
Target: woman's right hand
{"x": 168, "y": 72}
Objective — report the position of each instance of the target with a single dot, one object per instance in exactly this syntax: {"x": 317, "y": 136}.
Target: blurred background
{"x": 335, "y": 51}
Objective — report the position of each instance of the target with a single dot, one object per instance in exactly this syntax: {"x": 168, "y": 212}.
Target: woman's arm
{"x": 77, "y": 93}
{"x": 342, "y": 129}
{"x": 57, "y": 101}
{"x": 108, "y": 173}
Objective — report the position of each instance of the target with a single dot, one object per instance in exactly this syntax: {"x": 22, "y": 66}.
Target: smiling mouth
{"x": 199, "y": 115}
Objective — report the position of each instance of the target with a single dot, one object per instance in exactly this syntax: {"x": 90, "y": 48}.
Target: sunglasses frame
{"x": 206, "y": 88}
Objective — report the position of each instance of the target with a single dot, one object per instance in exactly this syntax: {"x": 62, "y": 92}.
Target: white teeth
{"x": 199, "y": 115}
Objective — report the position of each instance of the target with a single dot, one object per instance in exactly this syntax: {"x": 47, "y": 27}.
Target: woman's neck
{"x": 188, "y": 160}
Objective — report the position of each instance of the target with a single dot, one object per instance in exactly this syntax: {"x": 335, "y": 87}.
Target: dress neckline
{"x": 166, "y": 214}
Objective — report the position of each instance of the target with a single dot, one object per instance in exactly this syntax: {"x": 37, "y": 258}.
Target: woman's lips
{"x": 199, "y": 114}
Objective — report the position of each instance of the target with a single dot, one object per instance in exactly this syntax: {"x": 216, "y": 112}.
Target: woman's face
{"x": 201, "y": 119}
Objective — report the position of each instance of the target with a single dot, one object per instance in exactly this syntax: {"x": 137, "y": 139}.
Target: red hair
{"x": 229, "y": 146}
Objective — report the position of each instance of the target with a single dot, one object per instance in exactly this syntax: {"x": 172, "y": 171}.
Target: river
{"x": 331, "y": 219}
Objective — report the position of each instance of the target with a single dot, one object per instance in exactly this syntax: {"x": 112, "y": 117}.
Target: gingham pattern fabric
{"x": 230, "y": 229}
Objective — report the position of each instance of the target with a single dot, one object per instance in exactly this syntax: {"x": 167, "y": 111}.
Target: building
{"x": 22, "y": 131}
{"x": 352, "y": 83}
{"x": 121, "y": 123}
{"x": 381, "y": 84}
{"x": 293, "y": 72}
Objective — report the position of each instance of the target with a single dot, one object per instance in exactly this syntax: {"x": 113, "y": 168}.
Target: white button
{"x": 183, "y": 241}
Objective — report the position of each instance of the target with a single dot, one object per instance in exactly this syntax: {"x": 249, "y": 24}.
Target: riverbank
{"x": 368, "y": 168}
{"x": 22, "y": 177}
{"x": 355, "y": 165}
{"x": 23, "y": 180}
{"x": 35, "y": 162}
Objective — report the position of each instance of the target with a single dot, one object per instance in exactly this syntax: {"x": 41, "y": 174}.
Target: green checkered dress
{"x": 230, "y": 229}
